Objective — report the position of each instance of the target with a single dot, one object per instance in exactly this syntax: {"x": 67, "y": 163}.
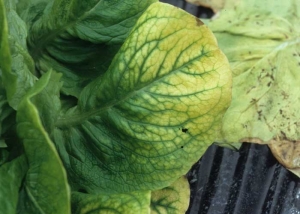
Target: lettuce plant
{"x": 104, "y": 104}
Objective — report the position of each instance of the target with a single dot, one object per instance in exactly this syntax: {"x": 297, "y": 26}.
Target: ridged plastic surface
{"x": 248, "y": 181}
{"x": 198, "y": 11}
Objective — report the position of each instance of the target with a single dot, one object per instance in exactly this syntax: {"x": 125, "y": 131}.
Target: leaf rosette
{"x": 114, "y": 101}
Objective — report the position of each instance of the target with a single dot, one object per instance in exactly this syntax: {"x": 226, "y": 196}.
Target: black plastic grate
{"x": 249, "y": 181}
{"x": 201, "y": 12}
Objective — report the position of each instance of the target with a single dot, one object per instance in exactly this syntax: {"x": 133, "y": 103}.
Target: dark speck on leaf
{"x": 184, "y": 130}
{"x": 181, "y": 147}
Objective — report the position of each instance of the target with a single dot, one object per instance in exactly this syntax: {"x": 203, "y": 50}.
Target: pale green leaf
{"x": 262, "y": 42}
{"x": 275, "y": 19}
{"x": 173, "y": 199}
{"x": 265, "y": 98}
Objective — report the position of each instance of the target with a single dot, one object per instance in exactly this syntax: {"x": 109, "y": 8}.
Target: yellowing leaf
{"x": 153, "y": 113}
{"x": 129, "y": 203}
{"x": 173, "y": 199}
{"x": 262, "y": 40}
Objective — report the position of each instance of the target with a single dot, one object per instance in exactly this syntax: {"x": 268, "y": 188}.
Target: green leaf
{"x": 130, "y": 203}
{"x": 31, "y": 10}
{"x": 173, "y": 199}
{"x": 16, "y": 63}
{"x": 6, "y": 112}
{"x": 5, "y": 59}
{"x": 262, "y": 46}
{"x": 143, "y": 123}
{"x": 46, "y": 183}
{"x": 82, "y": 37}
{"x": 7, "y": 123}
{"x": 12, "y": 173}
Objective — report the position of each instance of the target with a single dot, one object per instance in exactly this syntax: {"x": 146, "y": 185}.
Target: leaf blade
{"x": 46, "y": 181}
{"x": 12, "y": 174}
{"x": 134, "y": 123}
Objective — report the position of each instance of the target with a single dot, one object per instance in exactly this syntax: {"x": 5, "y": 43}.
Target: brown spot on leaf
{"x": 198, "y": 22}
{"x": 253, "y": 100}
{"x": 285, "y": 95}
{"x": 283, "y": 135}
{"x": 259, "y": 114}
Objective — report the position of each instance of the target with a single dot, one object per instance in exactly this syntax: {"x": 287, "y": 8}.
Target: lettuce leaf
{"x": 155, "y": 105}
{"x": 16, "y": 63}
{"x": 173, "y": 199}
{"x": 12, "y": 173}
{"x": 262, "y": 41}
{"x": 46, "y": 187}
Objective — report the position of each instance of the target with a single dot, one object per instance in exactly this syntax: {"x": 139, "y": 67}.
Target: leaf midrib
{"x": 78, "y": 118}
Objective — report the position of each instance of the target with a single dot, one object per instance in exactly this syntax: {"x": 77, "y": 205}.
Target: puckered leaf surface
{"x": 46, "y": 187}
{"x": 12, "y": 173}
{"x": 163, "y": 96}
{"x": 262, "y": 41}
{"x": 80, "y": 38}
{"x": 16, "y": 64}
